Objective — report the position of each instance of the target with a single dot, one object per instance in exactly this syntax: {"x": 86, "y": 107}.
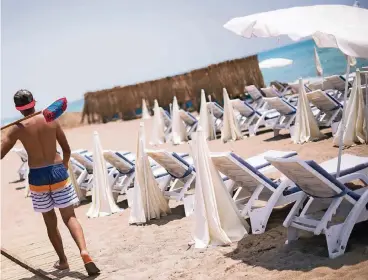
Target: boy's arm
{"x": 8, "y": 141}
{"x": 63, "y": 142}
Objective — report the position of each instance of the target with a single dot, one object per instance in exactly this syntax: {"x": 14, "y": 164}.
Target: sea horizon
{"x": 302, "y": 56}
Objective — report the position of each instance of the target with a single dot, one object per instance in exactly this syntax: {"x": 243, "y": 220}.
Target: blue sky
{"x": 64, "y": 48}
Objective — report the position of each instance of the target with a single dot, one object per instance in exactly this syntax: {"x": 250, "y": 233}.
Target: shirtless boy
{"x": 48, "y": 176}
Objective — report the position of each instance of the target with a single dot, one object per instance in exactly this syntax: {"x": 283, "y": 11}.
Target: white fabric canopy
{"x": 206, "y": 119}
{"x": 145, "y": 113}
{"x": 179, "y": 133}
{"x": 230, "y": 129}
{"x": 103, "y": 203}
{"x": 306, "y": 127}
{"x": 158, "y": 128}
{"x": 355, "y": 120}
{"x": 336, "y": 26}
{"x": 275, "y": 62}
{"x": 216, "y": 218}
{"x": 148, "y": 201}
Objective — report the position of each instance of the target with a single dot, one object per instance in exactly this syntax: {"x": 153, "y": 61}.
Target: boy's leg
{"x": 74, "y": 227}
{"x": 76, "y": 231}
{"x": 55, "y": 238}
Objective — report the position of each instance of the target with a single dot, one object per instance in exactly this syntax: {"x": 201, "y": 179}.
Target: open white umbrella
{"x": 230, "y": 129}
{"x": 158, "y": 128}
{"x": 148, "y": 201}
{"x": 145, "y": 113}
{"x": 355, "y": 117}
{"x": 275, "y": 63}
{"x": 103, "y": 203}
{"x": 306, "y": 127}
{"x": 331, "y": 26}
{"x": 217, "y": 220}
{"x": 206, "y": 119}
{"x": 179, "y": 133}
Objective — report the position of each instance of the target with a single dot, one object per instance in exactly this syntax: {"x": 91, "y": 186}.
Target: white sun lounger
{"x": 287, "y": 114}
{"x": 24, "y": 168}
{"x": 218, "y": 113}
{"x": 330, "y": 109}
{"x": 255, "y": 186}
{"x": 273, "y": 92}
{"x": 177, "y": 168}
{"x": 256, "y": 96}
{"x": 167, "y": 120}
{"x": 345, "y": 207}
{"x": 190, "y": 121}
{"x": 251, "y": 119}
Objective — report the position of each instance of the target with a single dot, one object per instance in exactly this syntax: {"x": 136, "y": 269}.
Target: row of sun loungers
{"x": 323, "y": 203}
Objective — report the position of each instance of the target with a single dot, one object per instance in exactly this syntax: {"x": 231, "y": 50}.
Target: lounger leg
{"x": 259, "y": 216}
{"x": 292, "y": 235}
{"x": 295, "y": 210}
{"x": 340, "y": 236}
{"x": 328, "y": 215}
{"x": 248, "y": 207}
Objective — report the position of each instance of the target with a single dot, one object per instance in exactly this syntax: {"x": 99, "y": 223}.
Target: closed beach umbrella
{"x": 205, "y": 119}
{"x": 230, "y": 129}
{"x": 179, "y": 133}
{"x": 317, "y": 61}
{"x": 217, "y": 220}
{"x": 158, "y": 128}
{"x": 145, "y": 113}
{"x": 332, "y": 26}
{"x": 306, "y": 128}
{"x": 148, "y": 201}
{"x": 355, "y": 117}
{"x": 103, "y": 203}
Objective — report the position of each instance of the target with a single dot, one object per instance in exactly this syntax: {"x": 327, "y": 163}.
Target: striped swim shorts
{"x": 50, "y": 187}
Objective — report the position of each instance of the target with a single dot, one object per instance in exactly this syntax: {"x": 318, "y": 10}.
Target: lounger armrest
{"x": 351, "y": 177}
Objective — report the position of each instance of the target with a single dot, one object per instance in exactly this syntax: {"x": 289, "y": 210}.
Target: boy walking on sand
{"x": 48, "y": 176}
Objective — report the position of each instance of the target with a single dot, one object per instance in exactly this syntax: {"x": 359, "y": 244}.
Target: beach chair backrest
{"x": 119, "y": 161}
{"x": 336, "y": 82}
{"x": 166, "y": 116}
{"x": 218, "y": 111}
{"x": 280, "y": 105}
{"x": 310, "y": 177}
{"x": 172, "y": 162}
{"x": 242, "y": 107}
{"x": 85, "y": 160}
{"x": 270, "y": 92}
{"x": 240, "y": 171}
{"x": 187, "y": 117}
{"x": 323, "y": 100}
{"x": 21, "y": 152}
{"x": 253, "y": 92}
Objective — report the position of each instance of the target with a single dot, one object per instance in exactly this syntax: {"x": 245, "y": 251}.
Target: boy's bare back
{"x": 39, "y": 140}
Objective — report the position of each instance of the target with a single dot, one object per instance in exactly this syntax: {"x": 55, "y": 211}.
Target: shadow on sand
{"x": 269, "y": 251}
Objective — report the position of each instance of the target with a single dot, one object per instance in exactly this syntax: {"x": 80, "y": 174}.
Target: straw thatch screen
{"x": 124, "y": 101}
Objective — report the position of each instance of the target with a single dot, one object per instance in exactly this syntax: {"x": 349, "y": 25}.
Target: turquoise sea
{"x": 302, "y": 55}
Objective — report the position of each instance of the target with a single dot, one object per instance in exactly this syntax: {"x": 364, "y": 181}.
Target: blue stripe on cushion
{"x": 333, "y": 180}
{"x": 255, "y": 171}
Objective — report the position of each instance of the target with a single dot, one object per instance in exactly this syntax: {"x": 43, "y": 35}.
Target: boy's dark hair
{"x": 22, "y": 97}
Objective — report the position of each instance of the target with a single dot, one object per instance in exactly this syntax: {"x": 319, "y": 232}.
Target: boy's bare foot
{"x": 89, "y": 265}
{"x": 61, "y": 265}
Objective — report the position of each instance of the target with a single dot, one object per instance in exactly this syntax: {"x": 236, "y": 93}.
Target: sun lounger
{"x": 330, "y": 109}
{"x": 344, "y": 208}
{"x": 167, "y": 120}
{"x": 257, "y": 195}
{"x": 218, "y": 113}
{"x": 23, "y": 169}
{"x": 251, "y": 119}
{"x": 190, "y": 121}
{"x": 287, "y": 114}
{"x": 256, "y": 96}
{"x": 177, "y": 168}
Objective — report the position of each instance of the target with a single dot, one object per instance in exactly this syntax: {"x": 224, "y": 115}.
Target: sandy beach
{"x": 160, "y": 250}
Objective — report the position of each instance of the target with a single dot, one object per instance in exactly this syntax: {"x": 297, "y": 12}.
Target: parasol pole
{"x": 342, "y": 130}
